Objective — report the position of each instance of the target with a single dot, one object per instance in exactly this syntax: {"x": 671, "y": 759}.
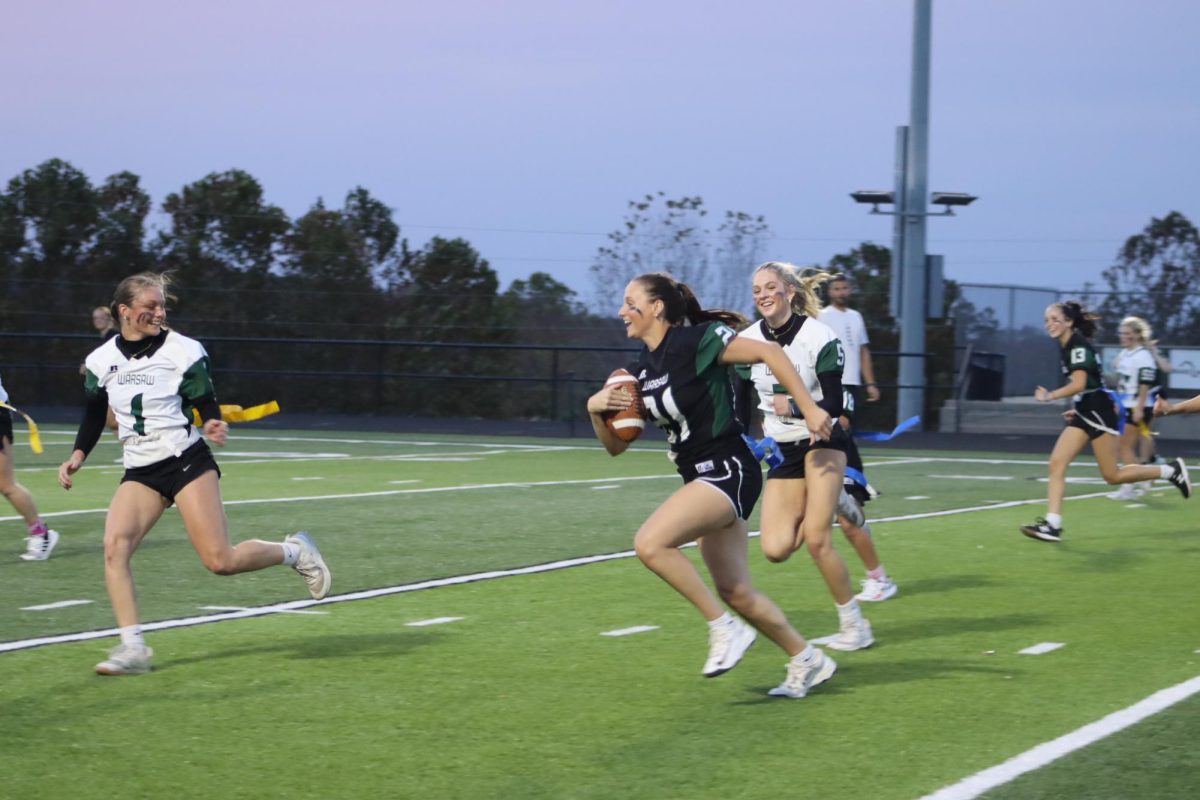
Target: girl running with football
{"x": 41, "y": 540}
{"x": 1094, "y": 418}
{"x": 804, "y": 493}
{"x": 684, "y": 379}
{"x": 153, "y": 377}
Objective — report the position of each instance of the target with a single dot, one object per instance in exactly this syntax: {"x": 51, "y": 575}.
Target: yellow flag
{"x": 232, "y": 413}
{"x": 35, "y": 438}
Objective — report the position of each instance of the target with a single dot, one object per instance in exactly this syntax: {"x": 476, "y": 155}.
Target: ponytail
{"x": 680, "y": 303}
{"x": 1081, "y": 319}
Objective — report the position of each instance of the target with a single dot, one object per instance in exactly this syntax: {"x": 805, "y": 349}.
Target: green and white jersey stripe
{"x": 813, "y": 349}
{"x": 152, "y": 396}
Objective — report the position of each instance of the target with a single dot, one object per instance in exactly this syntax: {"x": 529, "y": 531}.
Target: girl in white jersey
{"x": 153, "y": 377}
{"x": 803, "y": 494}
{"x": 41, "y": 540}
{"x": 1137, "y": 375}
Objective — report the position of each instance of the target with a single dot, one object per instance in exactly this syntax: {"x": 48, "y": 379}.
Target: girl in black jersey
{"x": 1093, "y": 418}
{"x": 686, "y": 385}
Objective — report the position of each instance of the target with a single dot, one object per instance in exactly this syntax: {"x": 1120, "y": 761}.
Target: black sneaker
{"x": 1179, "y": 477}
{"x": 1042, "y": 530}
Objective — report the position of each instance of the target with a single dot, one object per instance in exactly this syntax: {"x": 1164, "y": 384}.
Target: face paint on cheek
{"x": 145, "y": 318}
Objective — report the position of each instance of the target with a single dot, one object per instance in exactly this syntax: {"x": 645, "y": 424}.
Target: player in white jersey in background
{"x": 41, "y": 540}
{"x": 803, "y": 494}
{"x": 152, "y": 378}
{"x": 1137, "y": 379}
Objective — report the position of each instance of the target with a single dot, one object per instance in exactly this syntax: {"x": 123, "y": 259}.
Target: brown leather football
{"x": 629, "y": 423}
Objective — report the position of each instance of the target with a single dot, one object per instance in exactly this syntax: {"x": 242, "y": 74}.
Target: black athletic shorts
{"x": 1095, "y": 415}
{"x": 5, "y": 426}
{"x": 738, "y": 476}
{"x": 169, "y": 476}
{"x": 794, "y": 453}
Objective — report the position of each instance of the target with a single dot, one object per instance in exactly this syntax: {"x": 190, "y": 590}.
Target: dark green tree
{"x": 1155, "y": 276}
{"x": 119, "y": 246}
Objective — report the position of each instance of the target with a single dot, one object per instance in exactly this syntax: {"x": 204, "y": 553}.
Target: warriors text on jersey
{"x": 1136, "y": 368}
{"x": 813, "y": 348}
{"x": 151, "y": 392}
{"x": 1077, "y": 354}
{"x": 688, "y": 391}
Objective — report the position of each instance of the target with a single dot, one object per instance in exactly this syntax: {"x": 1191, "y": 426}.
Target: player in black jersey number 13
{"x": 685, "y": 381}
{"x": 1093, "y": 417}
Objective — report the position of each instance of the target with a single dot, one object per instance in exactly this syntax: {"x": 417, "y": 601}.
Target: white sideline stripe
{"x": 243, "y": 608}
{"x": 1043, "y": 647}
{"x": 421, "y": 623}
{"x": 918, "y": 497}
{"x": 310, "y": 478}
{"x": 598, "y": 488}
{"x": 972, "y": 477}
{"x": 383, "y": 493}
{"x": 59, "y": 604}
{"x": 184, "y": 622}
{"x": 628, "y": 631}
{"x": 975, "y": 785}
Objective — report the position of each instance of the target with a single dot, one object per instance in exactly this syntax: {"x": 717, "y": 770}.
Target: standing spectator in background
{"x": 859, "y": 372}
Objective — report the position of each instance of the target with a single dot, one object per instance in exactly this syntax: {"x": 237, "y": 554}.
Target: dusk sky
{"x": 526, "y": 126}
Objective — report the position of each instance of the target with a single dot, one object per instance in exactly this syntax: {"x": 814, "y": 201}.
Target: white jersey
{"x": 849, "y": 326}
{"x": 813, "y": 348}
{"x": 1135, "y": 366}
{"x": 151, "y": 395}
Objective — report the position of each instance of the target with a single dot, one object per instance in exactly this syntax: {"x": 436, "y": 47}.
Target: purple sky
{"x": 526, "y": 126}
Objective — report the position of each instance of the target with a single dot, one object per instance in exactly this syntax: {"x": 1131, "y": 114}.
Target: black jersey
{"x": 1078, "y": 353}
{"x": 689, "y": 392}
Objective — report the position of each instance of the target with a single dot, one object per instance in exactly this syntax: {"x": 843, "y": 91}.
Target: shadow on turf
{"x": 864, "y": 673}
{"x": 945, "y": 583}
{"x": 367, "y": 645}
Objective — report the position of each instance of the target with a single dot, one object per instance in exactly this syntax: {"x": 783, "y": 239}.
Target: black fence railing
{"x": 418, "y": 378}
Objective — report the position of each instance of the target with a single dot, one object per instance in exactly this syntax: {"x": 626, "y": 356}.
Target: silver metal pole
{"x": 894, "y": 304}
{"x": 912, "y": 291}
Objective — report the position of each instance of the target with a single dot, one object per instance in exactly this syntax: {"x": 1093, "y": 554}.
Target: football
{"x": 628, "y": 424}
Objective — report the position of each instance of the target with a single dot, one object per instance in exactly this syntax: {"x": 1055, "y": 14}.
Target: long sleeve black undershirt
{"x": 831, "y": 388}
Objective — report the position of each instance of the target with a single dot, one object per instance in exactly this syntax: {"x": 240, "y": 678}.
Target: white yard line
{"x": 1041, "y": 648}
{"x": 1045, "y": 753}
{"x": 242, "y": 613}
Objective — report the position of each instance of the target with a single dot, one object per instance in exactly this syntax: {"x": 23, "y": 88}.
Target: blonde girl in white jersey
{"x": 803, "y": 494}
{"x": 153, "y": 377}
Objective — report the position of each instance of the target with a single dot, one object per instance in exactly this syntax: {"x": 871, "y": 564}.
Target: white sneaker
{"x": 38, "y": 548}
{"x": 874, "y": 591}
{"x": 848, "y": 508}
{"x": 802, "y": 677}
{"x": 126, "y": 659}
{"x": 310, "y": 565}
{"x": 854, "y": 636}
{"x": 1126, "y": 492}
{"x": 726, "y": 646}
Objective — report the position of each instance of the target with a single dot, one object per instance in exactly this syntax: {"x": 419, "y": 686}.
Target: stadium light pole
{"x": 910, "y": 290}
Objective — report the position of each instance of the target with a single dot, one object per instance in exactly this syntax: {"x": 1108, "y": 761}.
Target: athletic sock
{"x": 38, "y": 527}
{"x": 877, "y": 574}
{"x": 1166, "y": 471}
{"x": 724, "y": 619}
{"x": 806, "y": 656}
{"x": 848, "y": 614}
{"x": 1054, "y": 519}
{"x": 132, "y": 636}
{"x": 291, "y": 552}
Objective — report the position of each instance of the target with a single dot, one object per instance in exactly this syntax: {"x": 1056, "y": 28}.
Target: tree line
{"x": 245, "y": 268}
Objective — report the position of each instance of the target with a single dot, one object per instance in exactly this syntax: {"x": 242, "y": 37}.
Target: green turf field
{"x": 515, "y": 693}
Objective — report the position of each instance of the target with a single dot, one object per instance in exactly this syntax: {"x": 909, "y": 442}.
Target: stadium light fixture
{"x": 947, "y": 200}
